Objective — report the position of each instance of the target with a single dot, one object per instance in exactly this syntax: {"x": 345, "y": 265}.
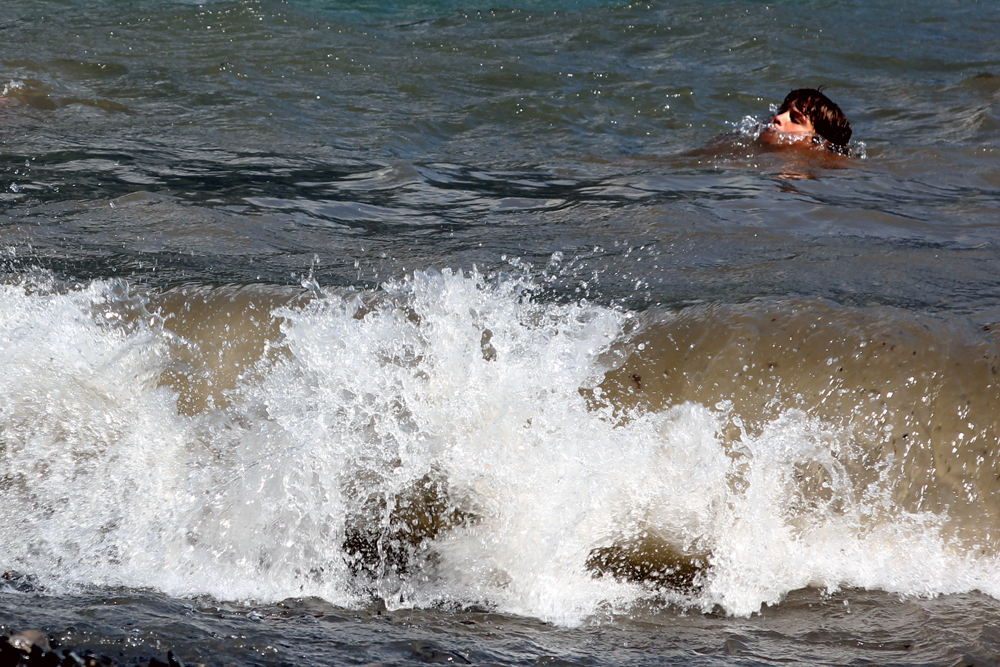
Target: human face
{"x": 793, "y": 124}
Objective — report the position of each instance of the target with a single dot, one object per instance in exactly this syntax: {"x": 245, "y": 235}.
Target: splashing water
{"x": 443, "y": 439}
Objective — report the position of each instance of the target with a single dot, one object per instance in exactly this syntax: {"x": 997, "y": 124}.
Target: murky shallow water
{"x": 850, "y": 627}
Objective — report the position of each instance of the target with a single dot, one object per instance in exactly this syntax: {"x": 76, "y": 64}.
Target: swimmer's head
{"x": 806, "y": 113}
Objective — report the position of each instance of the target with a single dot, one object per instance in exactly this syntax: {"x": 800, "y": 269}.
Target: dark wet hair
{"x": 827, "y": 118}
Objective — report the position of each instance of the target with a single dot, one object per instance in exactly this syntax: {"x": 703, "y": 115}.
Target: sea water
{"x": 340, "y": 333}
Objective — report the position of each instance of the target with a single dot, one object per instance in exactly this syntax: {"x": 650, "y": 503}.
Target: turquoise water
{"x": 494, "y": 334}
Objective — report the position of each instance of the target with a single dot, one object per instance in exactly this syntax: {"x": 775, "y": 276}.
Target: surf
{"x": 460, "y": 438}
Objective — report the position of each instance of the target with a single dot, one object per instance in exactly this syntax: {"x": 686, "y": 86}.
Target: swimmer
{"x": 807, "y": 115}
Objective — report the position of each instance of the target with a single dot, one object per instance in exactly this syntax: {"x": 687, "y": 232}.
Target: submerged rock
{"x": 26, "y": 639}
{"x": 32, "y": 648}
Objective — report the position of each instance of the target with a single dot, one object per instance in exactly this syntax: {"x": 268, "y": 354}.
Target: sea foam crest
{"x": 428, "y": 442}
{"x": 88, "y": 436}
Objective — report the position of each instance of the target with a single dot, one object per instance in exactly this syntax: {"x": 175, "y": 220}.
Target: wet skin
{"x": 789, "y": 127}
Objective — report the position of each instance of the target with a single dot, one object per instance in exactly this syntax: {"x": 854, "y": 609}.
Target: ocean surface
{"x": 339, "y": 333}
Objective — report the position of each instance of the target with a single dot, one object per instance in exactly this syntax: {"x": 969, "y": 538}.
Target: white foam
{"x": 475, "y": 381}
{"x": 10, "y": 87}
